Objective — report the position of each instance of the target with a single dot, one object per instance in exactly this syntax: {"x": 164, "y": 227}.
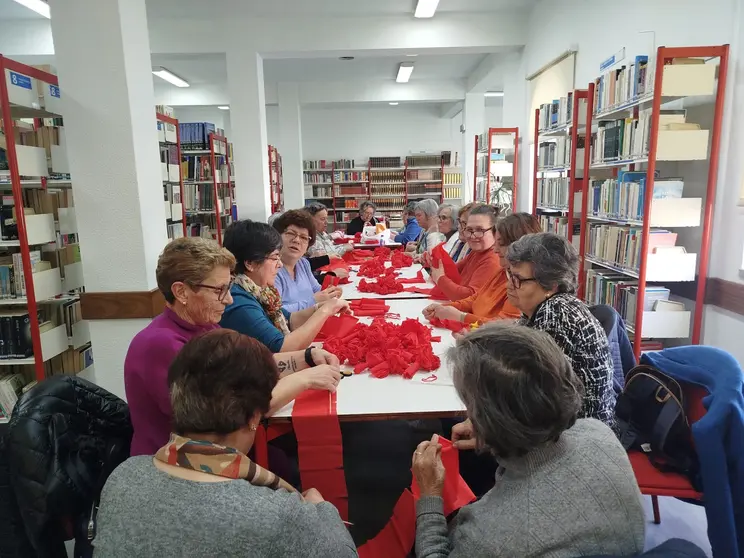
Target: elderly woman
{"x": 256, "y": 307}
{"x": 543, "y": 273}
{"x": 201, "y": 495}
{"x": 193, "y": 275}
{"x": 565, "y": 487}
{"x": 481, "y": 263}
{"x": 365, "y": 218}
{"x": 490, "y": 301}
{"x": 323, "y": 245}
{"x": 447, "y": 221}
{"x": 428, "y": 220}
{"x": 295, "y": 282}
{"x": 412, "y": 229}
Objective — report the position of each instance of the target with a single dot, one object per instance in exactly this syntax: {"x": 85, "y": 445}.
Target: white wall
{"x": 584, "y": 24}
{"x": 220, "y": 118}
{"x": 494, "y": 117}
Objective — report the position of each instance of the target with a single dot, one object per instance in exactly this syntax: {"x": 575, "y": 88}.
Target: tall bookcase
{"x": 41, "y": 332}
{"x": 276, "y": 180}
{"x": 560, "y": 157}
{"x": 649, "y": 229}
{"x": 496, "y": 172}
{"x": 388, "y": 187}
{"x": 424, "y": 176}
{"x": 349, "y": 186}
{"x": 169, "y": 138}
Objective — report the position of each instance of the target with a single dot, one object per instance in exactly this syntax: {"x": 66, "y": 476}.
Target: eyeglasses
{"x": 516, "y": 280}
{"x": 443, "y": 217}
{"x": 463, "y": 224}
{"x": 221, "y": 291}
{"x": 477, "y": 233}
{"x": 291, "y": 235}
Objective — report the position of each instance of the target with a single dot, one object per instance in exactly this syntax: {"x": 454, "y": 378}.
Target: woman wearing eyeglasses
{"x": 193, "y": 275}
{"x": 543, "y": 275}
{"x": 256, "y": 309}
{"x": 489, "y": 302}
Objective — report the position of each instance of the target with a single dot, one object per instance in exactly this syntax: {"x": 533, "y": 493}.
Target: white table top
{"x": 364, "y": 396}
{"x": 351, "y": 290}
{"x": 373, "y": 246}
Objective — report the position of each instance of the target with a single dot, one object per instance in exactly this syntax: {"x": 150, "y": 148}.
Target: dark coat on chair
{"x": 623, "y": 358}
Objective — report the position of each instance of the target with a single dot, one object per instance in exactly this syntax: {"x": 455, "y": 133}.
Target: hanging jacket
{"x": 623, "y": 358}
{"x": 57, "y": 444}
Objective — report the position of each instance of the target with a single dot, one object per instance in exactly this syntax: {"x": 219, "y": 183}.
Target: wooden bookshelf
{"x": 276, "y": 180}
{"x": 496, "y": 172}
{"x": 350, "y": 187}
{"x": 424, "y": 177}
{"x": 169, "y": 138}
{"x": 635, "y": 196}
{"x": 41, "y": 277}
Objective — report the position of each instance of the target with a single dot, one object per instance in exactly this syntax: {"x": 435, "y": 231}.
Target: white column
{"x": 245, "y": 82}
{"x": 473, "y": 117}
{"x": 109, "y": 116}
{"x": 515, "y": 116}
{"x": 290, "y": 146}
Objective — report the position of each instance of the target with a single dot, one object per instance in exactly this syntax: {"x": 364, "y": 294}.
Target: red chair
{"x": 655, "y": 483}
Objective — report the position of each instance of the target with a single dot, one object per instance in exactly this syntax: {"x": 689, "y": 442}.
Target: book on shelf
{"x": 558, "y": 224}
{"x": 350, "y": 175}
{"x": 424, "y": 160}
{"x": 623, "y": 198}
{"x": 621, "y": 246}
{"x": 384, "y": 162}
{"x": 555, "y": 153}
{"x": 195, "y": 135}
{"x": 15, "y": 334}
{"x": 11, "y": 387}
{"x": 621, "y": 85}
{"x": 556, "y": 113}
{"x": 553, "y": 192}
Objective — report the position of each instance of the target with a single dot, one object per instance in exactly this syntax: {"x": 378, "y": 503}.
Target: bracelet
{"x": 309, "y": 357}
{"x": 463, "y": 316}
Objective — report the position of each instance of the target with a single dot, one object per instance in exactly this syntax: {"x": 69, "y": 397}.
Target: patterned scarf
{"x": 269, "y": 298}
{"x": 207, "y": 457}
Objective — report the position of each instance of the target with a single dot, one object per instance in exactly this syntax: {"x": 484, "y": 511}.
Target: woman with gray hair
{"x": 366, "y": 218}
{"x": 542, "y": 279}
{"x": 564, "y": 487}
{"x": 324, "y": 245}
{"x": 448, "y": 226}
{"x": 427, "y": 218}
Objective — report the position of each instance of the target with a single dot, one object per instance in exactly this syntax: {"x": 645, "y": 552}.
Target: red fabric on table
{"x": 397, "y": 537}
{"x": 419, "y": 278}
{"x": 429, "y": 291}
{"x": 370, "y": 312}
{"x": 335, "y": 264}
{"x": 452, "y": 325}
{"x": 356, "y": 257}
{"x": 368, "y": 303}
{"x": 386, "y": 284}
{"x": 329, "y": 281}
{"x": 400, "y": 259}
{"x": 357, "y": 238}
{"x": 341, "y": 240}
{"x": 320, "y": 447}
{"x": 456, "y": 493}
{"x": 337, "y": 326}
{"x": 440, "y": 255}
{"x": 371, "y": 241}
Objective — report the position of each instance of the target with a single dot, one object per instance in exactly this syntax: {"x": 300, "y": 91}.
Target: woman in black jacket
{"x": 366, "y": 218}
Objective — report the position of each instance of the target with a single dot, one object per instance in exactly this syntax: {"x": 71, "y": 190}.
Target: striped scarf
{"x": 207, "y": 457}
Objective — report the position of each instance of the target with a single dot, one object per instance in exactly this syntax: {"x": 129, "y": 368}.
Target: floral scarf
{"x": 269, "y": 298}
{"x": 207, "y": 457}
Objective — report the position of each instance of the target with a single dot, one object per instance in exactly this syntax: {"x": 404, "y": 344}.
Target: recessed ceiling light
{"x": 39, "y": 6}
{"x": 405, "y": 69}
{"x": 393, "y": 104}
{"x": 493, "y": 94}
{"x": 223, "y": 107}
{"x": 426, "y": 8}
{"x": 411, "y": 55}
{"x": 170, "y": 77}
{"x": 345, "y": 58}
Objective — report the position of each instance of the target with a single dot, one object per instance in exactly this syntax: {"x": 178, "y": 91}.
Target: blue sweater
{"x": 246, "y": 315}
{"x": 410, "y": 233}
{"x": 718, "y": 437}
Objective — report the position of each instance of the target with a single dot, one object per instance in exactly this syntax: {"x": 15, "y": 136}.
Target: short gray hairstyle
{"x": 410, "y": 207}
{"x": 453, "y": 213}
{"x": 365, "y": 204}
{"x": 555, "y": 260}
{"x": 517, "y": 386}
{"x": 313, "y": 208}
{"x": 273, "y": 217}
{"x": 428, "y": 207}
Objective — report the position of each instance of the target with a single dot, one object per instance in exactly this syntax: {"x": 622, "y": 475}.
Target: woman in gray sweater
{"x": 564, "y": 488}
{"x": 200, "y": 495}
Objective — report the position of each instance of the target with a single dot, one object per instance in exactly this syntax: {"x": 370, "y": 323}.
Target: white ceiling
{"x": 13, "y": 10}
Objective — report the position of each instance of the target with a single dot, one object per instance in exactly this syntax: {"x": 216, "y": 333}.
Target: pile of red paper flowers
{"x": 382, "y": 252}
{"x": 386, "y": 348}
{"x": 401, "y": 259}
{"x": 385, "y": 285}
{"x": 373, "y": 268}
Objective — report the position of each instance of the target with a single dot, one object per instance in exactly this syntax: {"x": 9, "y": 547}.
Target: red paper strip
{"x": 452, "y": 325}
{"x": 401, "y": 259}
{"x": 397, "y": 537}
{"x": 419, "y": 278}
{"x": 371, "y": 241}
{"x": 320, "y": 447}
{"x": 335, "y": 264}
{"x": 337, "y": 326}
{"x": 439, "y": 254}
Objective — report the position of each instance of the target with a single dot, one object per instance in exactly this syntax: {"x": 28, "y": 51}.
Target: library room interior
{"x": 330, "y": 278}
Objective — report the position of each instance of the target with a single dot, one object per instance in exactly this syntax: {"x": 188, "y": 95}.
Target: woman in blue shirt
{"x": 256, "y": 309}
{"x": 295, "y": 281}
{"x": 412, "y": 229}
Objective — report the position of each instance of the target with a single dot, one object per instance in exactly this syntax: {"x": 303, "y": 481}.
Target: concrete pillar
{"x": 473, "y": 117}
{"x": 515, "y": 116}
{"x": 245, "y": 82}
{"x": 102, "y": 52}
{"x": 290, "y": 146}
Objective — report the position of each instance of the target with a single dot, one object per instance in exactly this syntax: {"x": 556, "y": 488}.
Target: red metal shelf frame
{"x": 585, "y": 190}
{"x": 216, "y": 183}
{"x": 174, "y": 121}
{"x": 515, "y": 165}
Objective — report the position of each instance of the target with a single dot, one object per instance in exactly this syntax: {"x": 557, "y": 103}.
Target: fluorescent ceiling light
{"x": 39, "y": 6}
{"x": 170, "y": 77}
{"x": 223, "y": 107}
{"x": 426, "y": 8}
{"x": 393, "y": 104}
{"x": 411, "y": 55}
{"x": 493, "y": 94}
{"x": 405, "y": 69}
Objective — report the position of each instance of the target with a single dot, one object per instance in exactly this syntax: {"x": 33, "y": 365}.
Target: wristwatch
{"x": 309, "y": 357}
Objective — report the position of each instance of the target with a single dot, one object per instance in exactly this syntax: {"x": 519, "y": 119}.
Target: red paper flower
{"x": 401, "y": 259}
{"x": 382, "y": 252}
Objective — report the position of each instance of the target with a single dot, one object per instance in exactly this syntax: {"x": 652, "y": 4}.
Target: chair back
{"x": 606, "y": 315}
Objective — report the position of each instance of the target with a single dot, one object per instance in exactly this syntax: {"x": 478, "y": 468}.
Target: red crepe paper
{"x": 397, "y": 537}
{"x": 456, "y": 493}
{"x": 341, "y": 240}
{"x": 368, "y": 307}
{"x": 356, "y": 257}
{"x": 335, "y": 264}
{"x": 372, "y": 268}
{"x": 334, "y": 281}
{"x": 386, "y": 284}
{"x": 440, "y": 255}
{"x": 382, "y": 252}
{"x": 400, "y": 259}
{"x": 384, "y": 348}
{"x": 419, "y": 278}
{"x": 337, "y": 326}
{"x": 320, "y": 447}
{"x": 371, "y": 241}
{"x": 452, "y": 325}
{"x": 358, "y": 238}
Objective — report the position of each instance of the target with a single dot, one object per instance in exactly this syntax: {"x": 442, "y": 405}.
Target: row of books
{"x": 70, "y": 362}
{"x": 559, "y": 225}
{"x": 623, "y": 198}
{"x": 625, "y": 138}
{"x": 622, "y": 85}
{"x": 174, "y": 230}
{"x": 621, "y": 246}
{"x": 15, "y": 334}
{"x": 12, "y": 277}
{"x": 424, "y": 160}
{"x": 553, "y": 192}
{"x": 169, "y": 155}
{"x": 384, "y": 162}
{"x": 318, "y": 191}
{"x": 195, "y": 135}
{"x": 172, "y": 193}
{"x": 556, "y": 113}
{"x": 199, "y": 167}
{"x": 348, "y": 176}
{"x": 11, "y": 387}
{"x": 198, "y": 197}
{"x": 317, "y": 177}
{"x": 324, "y": 164}
{"x": 557, "y": 153}
{"x": 430, "y": 174}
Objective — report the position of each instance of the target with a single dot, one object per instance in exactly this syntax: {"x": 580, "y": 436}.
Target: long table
{"x": 351, "y": 290}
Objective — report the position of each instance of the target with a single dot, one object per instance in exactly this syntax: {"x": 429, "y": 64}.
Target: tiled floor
{"x": 678, "y": 520}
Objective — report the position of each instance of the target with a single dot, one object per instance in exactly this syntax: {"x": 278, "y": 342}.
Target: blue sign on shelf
{"x": 54, "y": 91}
{"x": 19, "y": 80}
{"x": 607, "y": 63}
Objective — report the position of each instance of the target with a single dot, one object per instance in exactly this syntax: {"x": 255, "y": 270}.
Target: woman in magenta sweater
{"x": 193, "y": 274}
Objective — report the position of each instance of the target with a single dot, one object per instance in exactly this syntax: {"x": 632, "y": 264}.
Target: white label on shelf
{"x": 19, "y": 80}
{"x": 54, "y": 91}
